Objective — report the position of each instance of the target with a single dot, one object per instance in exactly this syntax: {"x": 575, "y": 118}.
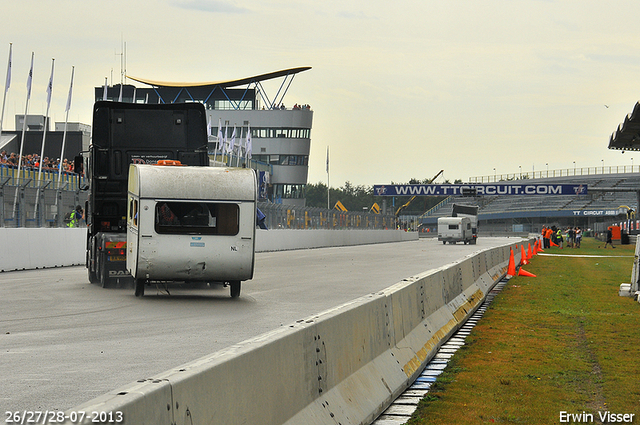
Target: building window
{"x": 288, "y": 191}
{"x": 290, "y": 133}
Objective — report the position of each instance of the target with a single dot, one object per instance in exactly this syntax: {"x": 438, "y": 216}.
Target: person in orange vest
{"x": 548, "y": 235}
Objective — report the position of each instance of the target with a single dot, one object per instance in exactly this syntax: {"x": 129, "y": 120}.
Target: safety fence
{"x": 38, "y": 199}
{"x": 280, "y": 216}
{"x": 31, "y": 177}
{"x": 41, "y": 199}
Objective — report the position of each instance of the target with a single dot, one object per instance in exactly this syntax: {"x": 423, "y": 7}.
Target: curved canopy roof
{"x": 229, "y": 83}
{"x": 627, "y": 135}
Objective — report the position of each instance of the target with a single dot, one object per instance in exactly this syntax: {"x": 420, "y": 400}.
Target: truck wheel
{"x": 93, "y": 278}
{"x": 139, "y": 288}
{"x": 235, "y": 288}
{"x": 102, "y": 274}
{"x": 444, "y": 242}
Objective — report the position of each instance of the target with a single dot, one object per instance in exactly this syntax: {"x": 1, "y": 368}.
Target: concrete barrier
{"x": 26, "y": 248}
{"x": 343, "y": 366}
{"x": 284, "y": 239}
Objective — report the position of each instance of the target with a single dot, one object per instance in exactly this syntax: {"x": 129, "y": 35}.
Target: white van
{"x": 455, "y": 229}
{"x": 191, "y": 224}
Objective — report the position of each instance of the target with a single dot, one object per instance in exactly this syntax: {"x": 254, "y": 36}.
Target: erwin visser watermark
{"x": 603, "y": 417}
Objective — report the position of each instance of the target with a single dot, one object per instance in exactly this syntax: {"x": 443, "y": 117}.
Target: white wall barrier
{"x": 343, "y": 366}
{"x": 282, "y": 239}
{"x": 26, "y": 248}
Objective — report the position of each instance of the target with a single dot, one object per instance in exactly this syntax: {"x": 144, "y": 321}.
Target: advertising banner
{"x": 478, "y": 189}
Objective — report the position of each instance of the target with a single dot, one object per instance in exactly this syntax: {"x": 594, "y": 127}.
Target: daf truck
{"x": 124, "y": 134}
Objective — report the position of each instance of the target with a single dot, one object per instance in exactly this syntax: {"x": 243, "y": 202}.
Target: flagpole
{"x": 64, "y": 135}
{"x": 226, "y": 141}
{"x": 248, "y": 146}
{"x": 239, "y": 148}
{"x": 219, "y": 145}
{"x": 328, "y": 207}
{"x": 6, "y": 89}
{"x": 232, "y": 146}
{"x": 44, "y": 138}
{"x": 24, "y": 127}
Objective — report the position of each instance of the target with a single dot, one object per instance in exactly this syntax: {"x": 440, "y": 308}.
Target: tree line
{"x": 357, "y": 197}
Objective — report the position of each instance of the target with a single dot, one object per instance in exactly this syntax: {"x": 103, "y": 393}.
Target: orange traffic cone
{"x": 511, "y": 270}
{"x": 551, "y": 243}
{"x": 535, "y": 248}
{"x": 540, "y": 247}
{"x": 523, "y": 272}
{"x": 529, "y": 256}
{"x": 523, "y": 256}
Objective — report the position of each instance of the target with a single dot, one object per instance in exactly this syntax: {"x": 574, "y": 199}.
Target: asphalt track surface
{"x": 64, "y": 341}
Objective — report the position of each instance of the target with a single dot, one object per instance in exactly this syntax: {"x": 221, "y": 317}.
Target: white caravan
{"x": 455, "y": 229}
{"x": 191, "y": 224}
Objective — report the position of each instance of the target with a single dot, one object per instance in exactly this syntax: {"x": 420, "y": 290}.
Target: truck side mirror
{"x": 78, "y": 164}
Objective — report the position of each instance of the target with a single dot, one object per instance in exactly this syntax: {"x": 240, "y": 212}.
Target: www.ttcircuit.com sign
{"x": 478, "y": 189}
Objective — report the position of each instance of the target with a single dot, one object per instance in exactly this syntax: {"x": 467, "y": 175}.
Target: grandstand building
{"x": 280, "y": 135}
{"x": 612, "y": 197}
{"x": 76, "y": 138}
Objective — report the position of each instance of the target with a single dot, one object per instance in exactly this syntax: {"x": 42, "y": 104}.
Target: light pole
{"x": 520, "y": 166}
{"x": 547, "y": 170}
{"x": 495, "y": 176}
{"x": 632, "y": 165}
{"x": 574, "y": 168}
{"x": 602, "y": 165}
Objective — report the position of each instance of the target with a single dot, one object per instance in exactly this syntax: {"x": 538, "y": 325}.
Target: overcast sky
{"x": 399, "y": 89}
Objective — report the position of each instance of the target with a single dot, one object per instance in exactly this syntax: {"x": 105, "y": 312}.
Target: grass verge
{"x": 563, "y": 341}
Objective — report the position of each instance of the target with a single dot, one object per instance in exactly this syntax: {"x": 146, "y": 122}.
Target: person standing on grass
{"x": 609, "y": 241}
{"x": 559, "y": 238}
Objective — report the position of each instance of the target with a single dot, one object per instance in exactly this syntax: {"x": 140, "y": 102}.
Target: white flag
{"x": 50, "y": 86}
{"x": 224, "y": 138}
{"x": 248, "y": 144}
{"x": 209, "y": 127}
{"x": 120, "y": 97}
{"x": 29, "y": 79}
{"x": 70, "y": 91}
{"x": 8, "y": 83}
{"x": 233, "y": 140}
{"x": 220, "y": 139}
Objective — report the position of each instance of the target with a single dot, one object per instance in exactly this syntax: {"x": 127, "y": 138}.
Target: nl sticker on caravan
{"x": 478, "y": 189}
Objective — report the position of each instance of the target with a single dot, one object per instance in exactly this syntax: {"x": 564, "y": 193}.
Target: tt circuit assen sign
{"x": 478, "y": 189}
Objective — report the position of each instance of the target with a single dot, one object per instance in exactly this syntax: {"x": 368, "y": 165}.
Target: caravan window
{"x": 453, "y": 227}
{"x": 205, "y": 218}
{"x": 133, "y": 211}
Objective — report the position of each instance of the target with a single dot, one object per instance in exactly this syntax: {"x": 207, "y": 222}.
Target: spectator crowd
{"x": 32, "y": 162}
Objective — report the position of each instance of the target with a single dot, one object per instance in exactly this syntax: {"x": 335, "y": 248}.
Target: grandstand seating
{"x": 548, "y": 209}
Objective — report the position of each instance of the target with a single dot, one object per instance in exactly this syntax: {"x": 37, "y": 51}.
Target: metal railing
{"x": 34, "y": 199}
{"x": 279, "y": 216}
{"x": 565, "y": 172}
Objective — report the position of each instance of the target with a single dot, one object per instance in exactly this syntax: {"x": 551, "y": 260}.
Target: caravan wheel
{"x": 139, "y": 288}
{"x": 235, "y": 288}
